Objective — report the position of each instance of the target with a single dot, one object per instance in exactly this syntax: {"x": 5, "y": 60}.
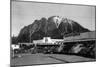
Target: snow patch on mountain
{"x": 57, "y": 20}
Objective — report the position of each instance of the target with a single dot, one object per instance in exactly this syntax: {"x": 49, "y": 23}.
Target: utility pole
{"x": 46, "y": 28}
{"x": 72, "y": 30}
{"x": 30, "y": 34}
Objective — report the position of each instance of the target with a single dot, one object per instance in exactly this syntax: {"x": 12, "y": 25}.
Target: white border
{"x": 5, "y": 32}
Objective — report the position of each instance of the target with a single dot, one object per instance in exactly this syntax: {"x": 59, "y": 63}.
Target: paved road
{"x": 34, "y": 59}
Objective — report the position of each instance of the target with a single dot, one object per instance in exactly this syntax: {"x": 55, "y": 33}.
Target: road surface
{"x": 37, "y": 59}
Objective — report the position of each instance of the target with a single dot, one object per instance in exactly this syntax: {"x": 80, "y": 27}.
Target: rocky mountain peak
{"x": 55, "y": 27}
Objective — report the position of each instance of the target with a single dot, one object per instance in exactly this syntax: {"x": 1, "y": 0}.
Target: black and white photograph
{"x": 44, "y": 33}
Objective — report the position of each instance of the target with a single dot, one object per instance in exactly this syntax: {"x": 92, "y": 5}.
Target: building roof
{"x": 47, "y": 41}
{"x": 87, "y": 36}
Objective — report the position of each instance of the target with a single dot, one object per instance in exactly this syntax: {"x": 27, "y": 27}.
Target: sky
{"x": 24, "y": 13}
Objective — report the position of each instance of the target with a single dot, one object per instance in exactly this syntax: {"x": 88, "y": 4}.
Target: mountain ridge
{"x": 55, "y": 27}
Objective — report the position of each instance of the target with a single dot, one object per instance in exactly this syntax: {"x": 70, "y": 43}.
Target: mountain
{"x": 54, "y": 27}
